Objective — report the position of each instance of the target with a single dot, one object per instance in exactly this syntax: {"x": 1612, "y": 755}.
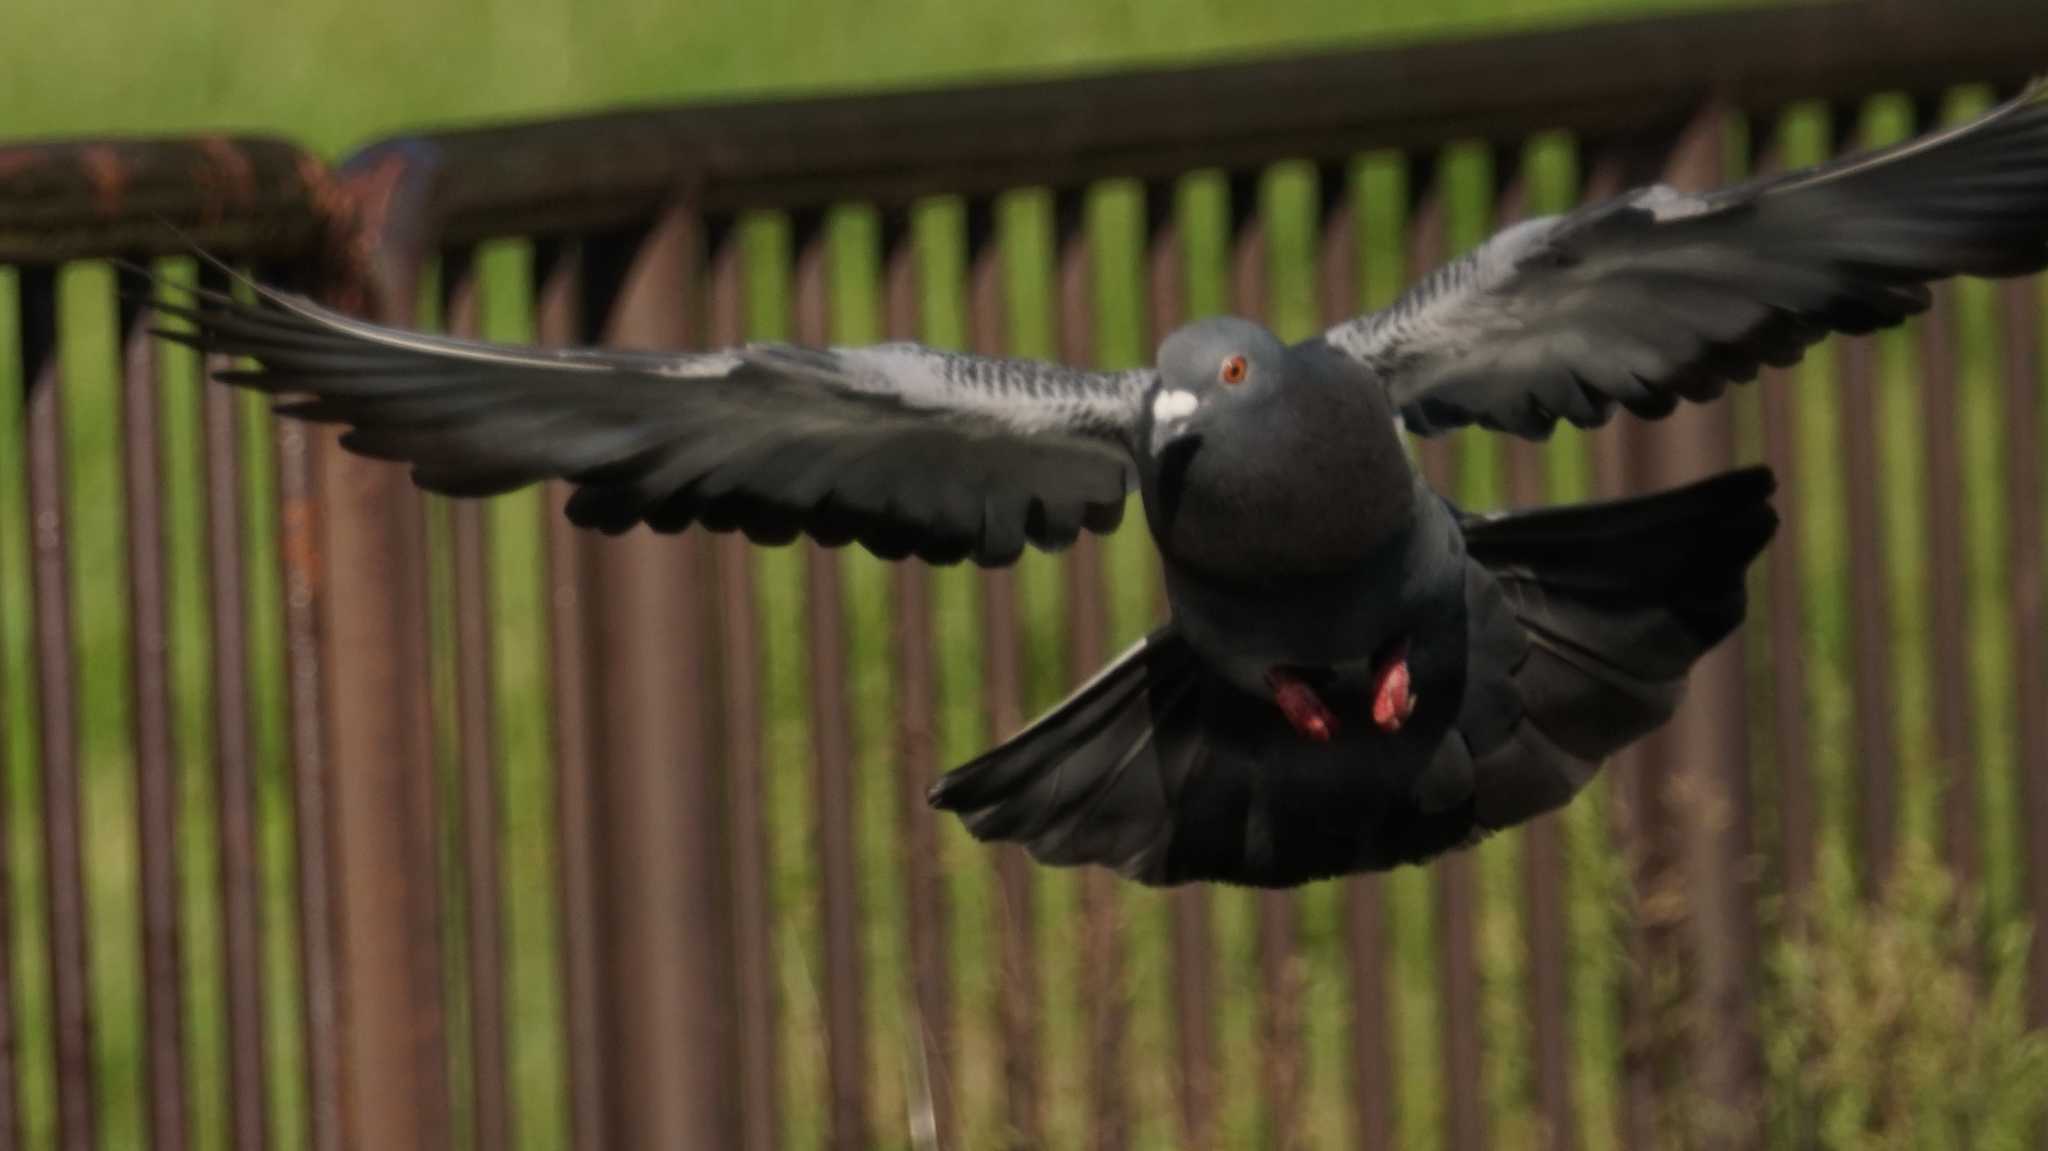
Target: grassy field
{"x": 343, "y": 73}
{"x": 333, "y": 74}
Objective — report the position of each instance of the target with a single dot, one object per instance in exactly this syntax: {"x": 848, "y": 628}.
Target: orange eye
{"x": 1233, "y": 370}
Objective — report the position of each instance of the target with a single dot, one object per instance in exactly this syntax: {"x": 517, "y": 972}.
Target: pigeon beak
{"x": 1171, "y": 410}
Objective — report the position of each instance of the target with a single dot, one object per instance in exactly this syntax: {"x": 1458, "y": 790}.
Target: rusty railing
{"x": 724, "y": 984}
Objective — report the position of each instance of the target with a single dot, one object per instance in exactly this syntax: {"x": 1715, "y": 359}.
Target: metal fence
{"x": 718, "y": 980}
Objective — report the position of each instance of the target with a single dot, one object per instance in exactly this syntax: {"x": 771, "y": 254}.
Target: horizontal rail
{"x": 83, "y": 199}
{"x": 87, "y": 199}
{"x": 1608, "y": 80}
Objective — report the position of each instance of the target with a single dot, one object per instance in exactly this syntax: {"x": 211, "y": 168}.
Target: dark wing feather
{"x": 1658, "y": 296}
{"x": 906, "y": 450}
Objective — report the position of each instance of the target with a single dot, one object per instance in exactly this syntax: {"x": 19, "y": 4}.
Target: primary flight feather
{"x": 1357, "y": 673}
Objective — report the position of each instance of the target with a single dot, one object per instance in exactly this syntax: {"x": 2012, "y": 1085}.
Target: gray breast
{"x": 1330, "y": 621}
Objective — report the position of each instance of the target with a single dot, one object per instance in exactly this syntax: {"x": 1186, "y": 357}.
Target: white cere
{"x": 1170, "y": 405}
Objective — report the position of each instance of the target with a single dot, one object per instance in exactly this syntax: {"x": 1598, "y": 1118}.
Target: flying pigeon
{"x": 1357, "y": 672}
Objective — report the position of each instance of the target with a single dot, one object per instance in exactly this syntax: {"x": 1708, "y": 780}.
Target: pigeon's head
{"x": 1208, "y": 371}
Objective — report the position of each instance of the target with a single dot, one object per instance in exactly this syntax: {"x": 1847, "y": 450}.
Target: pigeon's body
{"x": 1301, "y": 539}
{"x": 1538, "y": 644}
{"x": 1356, "y": 673}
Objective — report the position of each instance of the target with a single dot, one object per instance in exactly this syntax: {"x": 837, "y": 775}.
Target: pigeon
{"x": 1356, "y": 672}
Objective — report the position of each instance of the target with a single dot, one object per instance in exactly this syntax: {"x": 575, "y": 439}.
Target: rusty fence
{"x": 339, "y": 817}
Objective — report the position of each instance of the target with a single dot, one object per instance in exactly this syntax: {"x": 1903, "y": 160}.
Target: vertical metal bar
{"x": 1428, "y": 247}
{"x": 1457, "y": 902}
{"x": 1950, "y": 674}
{"x": 1365, "y": 915}
{"x": 377, "y": 720}
{"x": 1797, "y": 823}
{"x": 299, "y": 582}
{"x": 1871, "y": 686}
{"x": 234, "y": 779}
{"x": 560, "y": 321}
{"x": 1105, "y": 1002}
{"x": 71, "y": 1005}
{"x": 1628, "y": 817}
{"x": 1703, "y": 755}
{"x": 155, "y": 788}
{"x": 832, "y": 764}
{"x": 1648, "y": 1062}
{"x": 918, "y": 763}
{"x": 1544, "y": 892}
{"x": 1456, "y": 896}
{"x": 1003, "y": 686}
{"x": 489, "y": 1097}
{"x": 666, "y": 987}
{"x": 1280, "y": 995}
{"x": 2023, "y": 478}
{"x": 319, "y": 976}
{"x": 1194, "y": 965}
{"x": 1651, "y": 800}
{"x": 740, "y": 731}
{"x": 427, "y": 1021}
{"x": 1545, "y": 903}
{"x": 10, "y": 1040}
{"x": 1632, "y": 809}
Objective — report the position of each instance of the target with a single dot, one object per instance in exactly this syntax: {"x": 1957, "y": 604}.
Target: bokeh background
{"x": 333, "y": 75}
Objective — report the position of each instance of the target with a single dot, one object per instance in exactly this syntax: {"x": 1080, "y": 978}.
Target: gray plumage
{"x": 841, "y": 444}
{"x": 1303, "y": 555}
{"x": 1659, "y": 295}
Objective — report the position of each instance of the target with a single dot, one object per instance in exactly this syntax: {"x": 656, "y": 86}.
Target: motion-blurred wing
{"x": 904, "y": 449}
{"x": 1658, "y": 296}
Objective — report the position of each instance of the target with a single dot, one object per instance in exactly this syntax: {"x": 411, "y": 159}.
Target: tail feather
{"x": 1617, "y": 601}
{"x": 1612, "y": 543}
{"x": 1093, "y": 781}
{"x": 1076, "y": 721}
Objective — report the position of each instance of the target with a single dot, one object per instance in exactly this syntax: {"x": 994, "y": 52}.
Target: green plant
{"x": 1882, "y": 1028}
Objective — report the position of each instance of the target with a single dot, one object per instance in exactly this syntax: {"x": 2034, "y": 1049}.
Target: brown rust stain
{"x": 342, "y": 260}
{"x": 366, "y": 197}
{"x": 107, "y": 174}
{"x": 226, "y": 181}
{"x": 15, "y": 161}
{"x": 300, "y": 547}
{"x": 319, "y": 185}
{"x": 360, "y": 206}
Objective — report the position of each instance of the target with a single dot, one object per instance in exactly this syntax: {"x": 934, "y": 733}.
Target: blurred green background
{"x": 335, "y": 75}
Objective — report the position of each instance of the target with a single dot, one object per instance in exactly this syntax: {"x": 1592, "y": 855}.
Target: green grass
{"x": 333, "y": 74}
{"x": 337, "y": 76}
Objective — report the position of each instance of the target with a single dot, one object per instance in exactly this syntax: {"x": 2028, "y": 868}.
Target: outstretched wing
{"x": 1658, "y": 296}
{"x": 907, "y": 450}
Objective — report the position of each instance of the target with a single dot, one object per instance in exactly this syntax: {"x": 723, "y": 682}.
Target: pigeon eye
{"x": 1233, "y": 370}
